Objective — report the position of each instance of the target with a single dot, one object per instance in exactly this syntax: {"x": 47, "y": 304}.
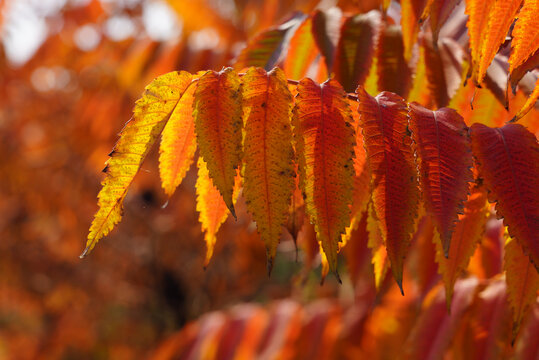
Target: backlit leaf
{"x": 213, "y": 210}
{"x": 530, "y": 103}
{"x": 395, "y": 192}
{"x": 302, "y": 52}
{"x": 525, "y": 34}
{"x": 438, "y": 11}
{"x": 361, "y": 193}
{"x": 268, "y": 171}
{"x": 151, "y": 113}
{"x": 218, "y": 123}
{"x": 355, "y": 51}
{"x": 522, "y": 282}
{"x": 266, "y": 49}
{"x": 379, "y": 260}
{"x": 411, "y": 11}
{"x": 325, "y": 148}
{"x": 508, "y": 161}
{"x": 445, "y": 159}
{"x": 467, "y": 234}
{"x": 178, "y": 144}
{"x": 519, "y": 71}
{"x": 478, "y": 13}
{"x": 325, "y": 28}
{"x": 393, "y": 72}
{"x": 500, "y": 18}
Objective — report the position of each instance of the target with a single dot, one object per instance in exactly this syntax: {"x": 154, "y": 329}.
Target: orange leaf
{"x": 530, "y": 103}
{"x": 444, "y": 156}
{"x": 522, "y": 283}
{"x": 265, "y": 50}
{"x": 302, "y": 52}
{"x": 500, "y": 18}
{"x": 518, "y": 72}
{"x": 478, "y": 13}
{"x": 508, "y": 161}
{"x": 325, "y": 147}
{"x": 394, "y": 178}
{"x": 178, "y": 144}
{"x": 378, "y": 249}
{"x": 268, "y": 170}
{"x": 525, "y": 34}
{"x": 467, "y": 235}
{"x": 157, "y": 105}
{"x": 361, "y": 192}
{"x": 218, "y": 123}
{"x": 410, "y": 14}
{"x": 393, "y": 72}
{"x": 354, "y": 51}
{"x": 213, "y": 210}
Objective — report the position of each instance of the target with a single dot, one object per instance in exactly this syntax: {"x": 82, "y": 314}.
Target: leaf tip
{"x": 399, "y": 282}
{"x": 338, "y": 277}
{"x": 232, "y": 211}
{"x": 269, "y": 265}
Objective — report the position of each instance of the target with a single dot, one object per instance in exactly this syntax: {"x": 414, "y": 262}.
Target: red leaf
{"x": 325, "y": 147}
{"x": 394, "y": 177}
{"x": 508, "y": 161}
{"x": 445, "y": 160}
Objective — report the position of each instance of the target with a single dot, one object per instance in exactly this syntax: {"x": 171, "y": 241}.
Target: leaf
{"x": 393, "y": 72}
{"x": 361, "y": 191}
{"x": 522, "y": 283}
{"x": 178, "y": 144}
{"x": 468, "y": 233}
{"x": 435, "y": 328}
{"x": 445, "y": 160}
{"x": 518, "y": 72}
{"x": 266, "y": 49}
{"x": 500, "y": 18}
{"x": 325, "y": 28}
{"x": 151, "y": 113}
{"x": 395, "y": 193}
{"x": 438, "y": 11}
{"x": 213, "y": 210}
{"x": 443, "y": 69}
{"x": 218, "y": 124}
{"x": 325, "y": 147}
{"x": 525, "y": 34}
{"x": 268, "y": 171}
{"x": 530, "y": 103}
{"x": 478, "y": 13}
{"x": 508, "y": 161}
{"x": 411, "y": 11}
{"x": 378, "y": 248}
{"x": 302, "y": 52}
{"x": 353, "y": 57}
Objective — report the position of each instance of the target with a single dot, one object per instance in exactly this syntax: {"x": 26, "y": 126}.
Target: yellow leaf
{"x": 213, "y": 210}
{"x": 151, "y": 114}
